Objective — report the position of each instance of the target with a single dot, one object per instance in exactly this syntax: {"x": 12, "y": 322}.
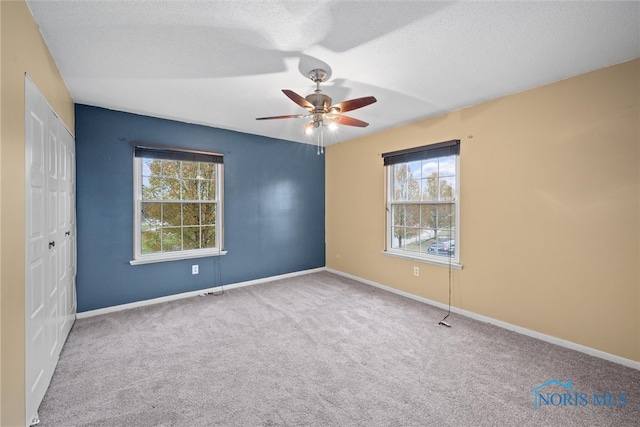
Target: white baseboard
{"x": 121, "y": 307}
{"x": 528, "y": 332}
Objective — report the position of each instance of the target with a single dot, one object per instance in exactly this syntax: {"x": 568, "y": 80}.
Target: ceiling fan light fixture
{"x": 308, "y": 129}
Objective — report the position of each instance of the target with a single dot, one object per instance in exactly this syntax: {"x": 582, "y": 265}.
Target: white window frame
{"x": 139, "y": 258}
{"x": 452, "y": 262}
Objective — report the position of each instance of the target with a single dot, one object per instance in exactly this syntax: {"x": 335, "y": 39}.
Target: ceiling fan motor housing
{"x": 320, "y": 102}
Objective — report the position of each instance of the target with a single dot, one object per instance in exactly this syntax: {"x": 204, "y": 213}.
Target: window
{"x": 178, "y": 204}
{"x": 423, "y": 203}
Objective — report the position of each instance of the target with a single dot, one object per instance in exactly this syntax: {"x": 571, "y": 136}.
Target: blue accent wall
{"x": 273, "y": 208}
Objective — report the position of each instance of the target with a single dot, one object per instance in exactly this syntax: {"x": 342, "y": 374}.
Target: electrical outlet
{"x": 194, "y": 269}
{"x": 416, "y": 271}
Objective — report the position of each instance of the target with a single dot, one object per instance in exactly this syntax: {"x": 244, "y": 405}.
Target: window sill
{"x": 174, "y": 257}
{"x": 445, "y": 262}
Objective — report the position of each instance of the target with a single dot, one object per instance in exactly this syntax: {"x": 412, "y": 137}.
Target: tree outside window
{"x": 178, "y": 205}
{"x": 423, "y": 206}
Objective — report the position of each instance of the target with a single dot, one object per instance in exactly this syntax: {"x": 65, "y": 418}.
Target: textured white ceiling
{"x": 223, "y": 63}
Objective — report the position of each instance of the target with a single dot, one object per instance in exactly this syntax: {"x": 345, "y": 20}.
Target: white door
{"x": 53, "y": 252}
{"x": 37, "y": 253}
{"x": 66, "y": 230}
{"x": 50, "y": 243}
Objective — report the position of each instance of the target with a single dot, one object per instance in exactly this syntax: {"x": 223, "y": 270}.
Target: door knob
{"x": 67, "y": 233}
{"x": 51, "y": 244}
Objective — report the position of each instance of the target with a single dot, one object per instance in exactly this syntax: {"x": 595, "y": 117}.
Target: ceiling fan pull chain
{"x": 320, "y": 141}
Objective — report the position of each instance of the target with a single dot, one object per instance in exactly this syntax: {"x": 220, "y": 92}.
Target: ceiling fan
{"x": 320, "y": 112}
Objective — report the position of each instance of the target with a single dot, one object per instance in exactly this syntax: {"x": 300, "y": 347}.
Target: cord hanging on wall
{"x": 217, "y": 272}
{"x": 217, "y": 277}
{"x": 443, "y": 322}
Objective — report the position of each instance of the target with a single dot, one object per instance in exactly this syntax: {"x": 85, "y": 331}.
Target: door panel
{"x": 37, "y": 233}
{"x": 50, "y": 243}
{"x": 51, "y": 213}
{"x": 71, "y": 153}
{"x": 66, "y": 230}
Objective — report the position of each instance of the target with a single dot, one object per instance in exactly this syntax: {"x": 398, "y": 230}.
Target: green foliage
{"x": 424, "y": 205}
{"x": 178, "y": 205}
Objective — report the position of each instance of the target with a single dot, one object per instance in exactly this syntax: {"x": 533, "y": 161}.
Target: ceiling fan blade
{"x": 354, "y": 104}
{"x": 349, "y": 121}
{"x": 298, "y": 99}
{"x": 290, "y": 116}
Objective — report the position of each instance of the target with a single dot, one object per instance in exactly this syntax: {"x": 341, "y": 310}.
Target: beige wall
{"x": 550, "y": 220}
{"x": 23, "y": 51}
